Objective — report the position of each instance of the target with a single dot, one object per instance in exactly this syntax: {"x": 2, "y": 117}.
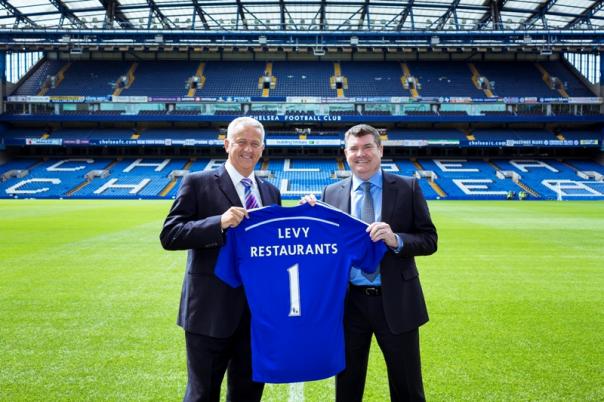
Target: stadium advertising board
{"x": 44, "y": 141}
{"x": 420, "y": 143}
{"x": 530, "y": 143}
{"x": 283, "y": 142}
{"x": 300, "y": 99}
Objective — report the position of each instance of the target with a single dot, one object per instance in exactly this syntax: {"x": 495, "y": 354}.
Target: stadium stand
{"x": 447, "y": 178}
{"x": 449, "y": 79}
{"x": 150, "y": 78}
{"x": 373, "y": 79}
{"x": 85, "y": 78}
{"x": 220, "y": 82}
{"x": 303, "y": 78}
{"x": 39, "y": 78}
{"x": 515, "y": 79}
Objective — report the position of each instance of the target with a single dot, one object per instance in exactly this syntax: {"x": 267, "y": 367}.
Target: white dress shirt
{"x": 236, "y": 179}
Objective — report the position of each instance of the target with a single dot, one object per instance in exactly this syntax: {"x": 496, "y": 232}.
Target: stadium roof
{"x": 307, "y": 15}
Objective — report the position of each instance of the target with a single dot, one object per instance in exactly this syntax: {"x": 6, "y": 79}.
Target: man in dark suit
{"x": 390, "y": 305}
{"x": 215, "y": 316}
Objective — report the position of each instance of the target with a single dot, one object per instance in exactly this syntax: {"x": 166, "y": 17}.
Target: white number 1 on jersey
{"x": 294, "y": 291}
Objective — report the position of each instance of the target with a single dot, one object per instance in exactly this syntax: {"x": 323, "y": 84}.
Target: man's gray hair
{"x": 361, "y": 130}
{"x": 246, "y": 122}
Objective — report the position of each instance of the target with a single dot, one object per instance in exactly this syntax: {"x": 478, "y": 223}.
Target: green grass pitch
{"x": 88, "y": 303}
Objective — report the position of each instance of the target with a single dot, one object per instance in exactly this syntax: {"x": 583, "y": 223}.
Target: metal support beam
{"x": 364, "y": 12}
{"x": 241, "y": 14}
{"x": 323, "y": 20}
{"x": 346, "y": 22}
{"x": 493, "y": 14}
{"x": 202, "y": 15}
{"x": 67, "y": 13}
{"x": 114, "y": 13}
{"x": 155, "y": 11}
{"x": 19, "y": 16}
{"x": 440, "y": 23}
{"x": 405, "y": 14}
{"x": 540, "y": 14}
{"x": 586, "y": 15}
{"x": 282, "y": 15}
{"x": 2, "y": 80}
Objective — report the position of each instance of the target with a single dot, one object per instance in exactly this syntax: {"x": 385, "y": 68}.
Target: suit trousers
{"x": 363, "y": 317}
{"x": 208, "y": 359}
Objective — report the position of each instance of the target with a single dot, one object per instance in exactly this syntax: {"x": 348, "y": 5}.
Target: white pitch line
{"x": 296, "y": 392}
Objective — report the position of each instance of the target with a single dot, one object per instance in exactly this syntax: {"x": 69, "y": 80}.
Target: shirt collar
{"x": 376, "y": 180}
{"x": 235, "y": 175}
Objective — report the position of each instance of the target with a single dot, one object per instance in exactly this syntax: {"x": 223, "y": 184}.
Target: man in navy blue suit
{"x": 389, "y": 305}
{"x": 215, "y": 316}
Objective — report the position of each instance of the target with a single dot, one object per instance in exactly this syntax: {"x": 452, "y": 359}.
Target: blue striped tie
{"x": 368, "y": 216}
{"x": 250, "y": 200}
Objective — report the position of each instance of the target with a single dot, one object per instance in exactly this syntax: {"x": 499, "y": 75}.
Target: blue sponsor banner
{"x": 529, "y": 143}
{"x": 268, "y": 99}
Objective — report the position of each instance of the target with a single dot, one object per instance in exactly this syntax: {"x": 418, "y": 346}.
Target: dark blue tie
{"x": 368, "y": 216}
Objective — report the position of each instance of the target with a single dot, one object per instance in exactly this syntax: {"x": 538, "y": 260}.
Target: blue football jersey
{"x": 294, "y": 264}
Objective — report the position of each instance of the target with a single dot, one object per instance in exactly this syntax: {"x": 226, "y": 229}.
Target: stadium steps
{"x": 405, "y": 78}
{"x": 545, "y": 75}
{"x": 438, "y": 189}
{"x": 77, "y": 188}
{"x": 518, "y": 183}
{"x": 569, "y": 165}
{"x": 475, "y": 75}
{"x": 131, "y": 77}
{"x": 202, "y": 79}
{"x": 528, "y": 189}
{"x": 87, "y": 182}
{"x": 493, "y": 165}
{"x": 337, "y": 72}
{"x": 113, "y": 163}
{"x": 35, "y": 165}
{"x": 60, "y": 76}
{"x": 268, "y": 72}
{"x": 173, "y": 182}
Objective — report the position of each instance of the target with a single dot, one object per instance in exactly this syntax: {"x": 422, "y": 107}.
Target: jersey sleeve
{"x": 227, "y": 267}
{"x": 366, "y": 254}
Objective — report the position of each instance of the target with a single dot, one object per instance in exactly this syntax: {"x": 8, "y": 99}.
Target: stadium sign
{"x": 280, "y": 142}
{"x": 44, "y": 141}
{"x": 530, "y": 143}
{"x": 300, "y": 118}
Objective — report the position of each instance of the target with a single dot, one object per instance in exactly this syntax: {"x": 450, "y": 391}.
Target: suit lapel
{"x": 389, "y": 193}
{"x": 265, "y": 196}
{"x": 343, "y": 199}
{"x": 225, "y": 184}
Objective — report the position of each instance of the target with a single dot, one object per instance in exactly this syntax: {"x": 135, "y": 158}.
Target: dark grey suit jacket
{"x": 208, "y": 306}
{"x": 405, "y": 210}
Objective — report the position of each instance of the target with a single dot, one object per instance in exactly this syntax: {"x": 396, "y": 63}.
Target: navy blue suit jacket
{"x": 405, "y": 210}
{"x": 208, "y": 306}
